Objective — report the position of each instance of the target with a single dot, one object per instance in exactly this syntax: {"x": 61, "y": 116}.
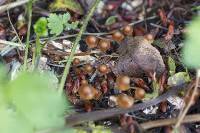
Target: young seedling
{"x": 41, "y": 30}
{"x": 56, "y": 24}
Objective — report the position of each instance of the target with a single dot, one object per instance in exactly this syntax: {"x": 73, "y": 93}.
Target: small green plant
{"x": 30, "y": 104}
{"x": 41, "y": 30}
{"x": 56, "y": 24}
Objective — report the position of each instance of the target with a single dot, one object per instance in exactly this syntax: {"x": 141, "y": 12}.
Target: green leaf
{"x": 3, "y": 83}
{"x": 38, "y": 100}
{"x": 111, "y": 20}
{"x": 64, "y": 5}
{"x": 178, "y": 78}
{"x": 67, "y": 130}
{"x": 55, "y": 24}
{"x": 12, "y": 122}
{"x": 40, "y": 27}
{"x": 191, "y": 48}
{"x": 171, "y": 65}
{"x": 64, "y": 18}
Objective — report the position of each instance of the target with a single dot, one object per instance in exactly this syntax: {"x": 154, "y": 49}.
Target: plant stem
{"x": 10, "y": 43}
{"x": 30, "y": 4}
{"x": 36, "y": 50}
{"x": 76, "y": 43}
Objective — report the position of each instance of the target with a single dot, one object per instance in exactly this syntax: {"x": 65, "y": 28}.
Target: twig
{"x": 192, "y": 98}
{"x": 95, "y": 34}
{"x": 158, "y": 26}
{"x": 140, "y": 21}
{"x": 10, "y": 43}
{"x": 171, "y": 121}
{"x": 30, "y": 4}
{"x": 73, "y": 35}
{"x": 76, "y": 43}
{"x": 12, "y": 5}
{"x": 102, "y": 114}
{"x": 14, "y": 28}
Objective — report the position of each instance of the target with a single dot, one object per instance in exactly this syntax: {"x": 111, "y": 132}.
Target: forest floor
{"x": 126, "y": 73}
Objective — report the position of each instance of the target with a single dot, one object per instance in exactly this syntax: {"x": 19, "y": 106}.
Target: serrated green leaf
{"x": 55, "y": 24}
{"x": 40, "y": 27}
{"x": 64, "y": 5}
{"x": 111, "y": 20}
{"x": 65, "y": 18}
{"x": 191, "y": 48}
{"x": 171, "y": 65}
{"x": 178, "y": 78}
{"x": 41, "y": 105}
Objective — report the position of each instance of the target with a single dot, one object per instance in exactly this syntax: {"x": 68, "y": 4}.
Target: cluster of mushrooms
{"x": 87, "y": 92}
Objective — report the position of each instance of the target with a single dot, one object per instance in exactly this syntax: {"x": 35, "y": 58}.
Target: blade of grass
{"x": 29, "y": 6}
{"x": 10, "y": 43}
{"x": 76, "y": 43}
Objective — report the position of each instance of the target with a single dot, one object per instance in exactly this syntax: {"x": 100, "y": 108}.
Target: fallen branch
{"x": 12, "y": 5}
{"x": 10, "y": 43}
{"x": 102, "y": 114}
{"x": 171, "y": 121}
